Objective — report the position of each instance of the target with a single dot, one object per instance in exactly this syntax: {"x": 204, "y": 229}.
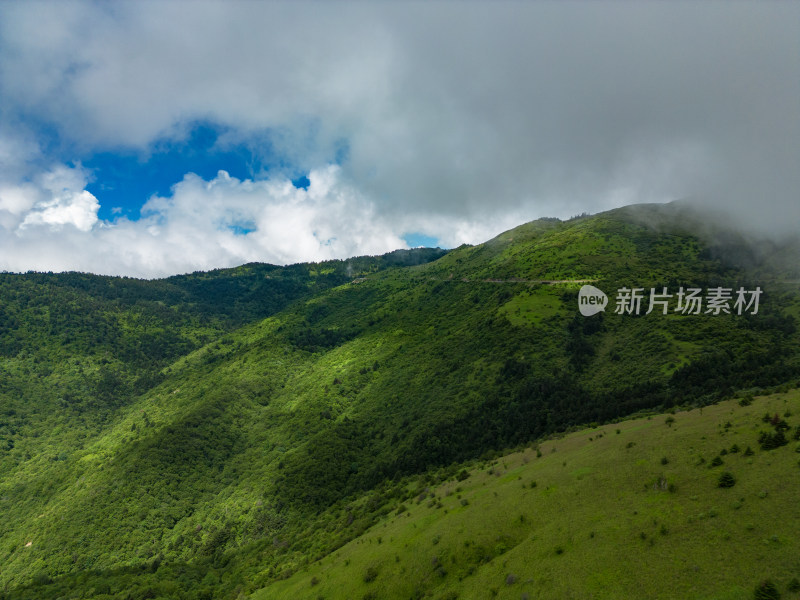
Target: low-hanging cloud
{"x": 458, "y": 120}
{"x": 201, "y": 224}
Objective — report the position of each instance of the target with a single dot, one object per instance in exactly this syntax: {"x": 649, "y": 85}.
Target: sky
{"x": 154, "y": 138}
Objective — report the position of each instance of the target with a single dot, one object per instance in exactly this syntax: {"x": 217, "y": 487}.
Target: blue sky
{"x": 149, "y": 139}
{"x": 124, "y": 180}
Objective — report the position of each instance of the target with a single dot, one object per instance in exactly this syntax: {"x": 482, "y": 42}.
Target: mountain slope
{"x": 246, "y": 458}
{"x": 627, "y": 510}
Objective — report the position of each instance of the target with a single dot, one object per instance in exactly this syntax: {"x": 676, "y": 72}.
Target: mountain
{"x": 209, "y": 435}
{"x": 679, "y": 505}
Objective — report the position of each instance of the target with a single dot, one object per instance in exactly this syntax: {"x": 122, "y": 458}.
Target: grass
{"x": 614, "y": 522}
{"x": 530, "y": 308}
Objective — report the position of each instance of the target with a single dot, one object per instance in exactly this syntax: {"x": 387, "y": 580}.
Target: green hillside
{"x": 211, "y": 435}
{"x": 627, "y": 510}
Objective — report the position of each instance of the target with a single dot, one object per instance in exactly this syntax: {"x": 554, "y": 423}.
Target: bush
{"x": 766, "y": 590}
{"x": 726, "y": 480}
{"x": 370, "y": 574}
{"x": 794, "y": 585}
{"x": 716, "y": 461}
{"x": 770, "y": 441}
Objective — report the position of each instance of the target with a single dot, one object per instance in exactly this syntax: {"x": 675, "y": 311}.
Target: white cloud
{"x": 66, "y": 208}
{"x": 459, "y": 119}
{"x": 201, "y": 225}
{"x": 60, "y": 199}
{"x": 16, "y": 200}
{"x": 54, "y": 199}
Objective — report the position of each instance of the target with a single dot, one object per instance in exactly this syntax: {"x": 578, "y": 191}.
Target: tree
{"x": 766, "y": 590}
{"x": 726, "y": 480}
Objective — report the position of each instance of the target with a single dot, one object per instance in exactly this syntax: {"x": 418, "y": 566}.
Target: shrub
{"x": 726, "y": 480}
{"x": 370, "y": 574}
{"x": 778, "y": 423}
{"x": 746, "y": 401}
{"x": 766, "y": 590}
{"x": 770, "y": 441}
{"x": 511, "y": 579}
{"x": 794, "y": 585}
{"x": 748, "y": 451}
{"x": 716, "y": 461}
{"x": 664, "y": 460}
{"x": 462, "y": 475}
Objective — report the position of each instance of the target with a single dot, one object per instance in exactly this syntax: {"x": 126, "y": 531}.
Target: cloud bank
{"x": 201, "y": 225}
{"x": 448, "y": 119}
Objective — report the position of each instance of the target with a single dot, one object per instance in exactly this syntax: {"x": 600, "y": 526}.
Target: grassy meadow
{"x": 626, "y": 510}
